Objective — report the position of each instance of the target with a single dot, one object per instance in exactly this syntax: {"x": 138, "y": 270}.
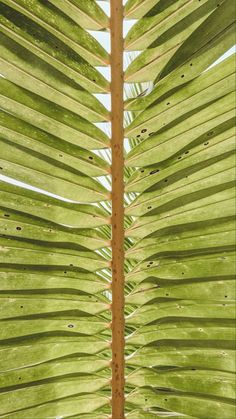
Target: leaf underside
{"x": 55, "y": 228}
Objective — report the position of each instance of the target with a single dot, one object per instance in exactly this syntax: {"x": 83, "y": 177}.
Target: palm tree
{"x": 117, "y": 263}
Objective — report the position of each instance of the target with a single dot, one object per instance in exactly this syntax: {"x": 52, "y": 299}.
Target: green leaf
{"x": 205, "y": 89}
{"x": 41, "y": 254}
{"x": 46, "y": 392}
{"x": 48, "y": 349}
{"x": 50, "y": 48}
{"x": 205, "y": 210}
{"x": 23, "y": 328}
{"x": 183, "y": 403}
{"x": 63, "y": 182}
{"x": 19, "y": 307}
{"x": 183, "y": 330}
{"x": 194, "y": 355}
{"x": 87, "y": 14}
{"x": 162, "y": 17}
{"x": 68, "y": 282}
{"x": 180, "y": 308}
{"x": 39, "y": 112}
{"x": 173, "y": 30}
{"x": 219, "y": 21}
{"x": 22, "y": 226}
{"x": 192, "y": 67}
{"x": 50, "y": 209}
{"x": 59, "y": 25}
{"x": 26, "y": 70}
{"x": 160, "y": 288}
{"x": 57, "y": 369}
{"x": 202, "y": 381}
{"x": 56, "y": 217}
{"x": 190, "y": 267}
{"x": 209, "y": 154}
{"x": 190, "y": 241}
{"x": 181, "y": 135}
{"x": 71, "y": 404}
{"x": 63, "y": 154}
{"x": 140, "y": 414}
{"x": 134, "y": 9}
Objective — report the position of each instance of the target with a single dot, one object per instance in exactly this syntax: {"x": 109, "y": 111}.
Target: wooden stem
{"x": 117, "y": 105}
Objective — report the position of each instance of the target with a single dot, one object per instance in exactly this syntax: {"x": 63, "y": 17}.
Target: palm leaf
{"x": 61, "y": 228}
{"x": 181, "y": 300}
{"x": 54, "y": 295}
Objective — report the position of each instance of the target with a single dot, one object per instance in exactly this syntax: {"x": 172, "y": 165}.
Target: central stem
{"x": 117, "y": 106}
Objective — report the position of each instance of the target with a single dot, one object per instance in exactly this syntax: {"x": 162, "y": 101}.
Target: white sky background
{"x": 104, "y": 39}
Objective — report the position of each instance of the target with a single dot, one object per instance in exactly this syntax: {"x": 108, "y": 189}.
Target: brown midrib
{"x": 117, "y": 106}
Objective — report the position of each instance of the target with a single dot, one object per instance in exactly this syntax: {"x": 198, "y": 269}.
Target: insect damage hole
{"x": 154, "y": 171}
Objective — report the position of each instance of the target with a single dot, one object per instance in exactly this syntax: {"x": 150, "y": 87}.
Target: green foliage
{"x": 179, "y": 211}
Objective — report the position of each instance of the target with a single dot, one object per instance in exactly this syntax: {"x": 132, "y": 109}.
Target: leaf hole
{"x": 6, "y": 215}
{"x": 143, "y": 130}
{"x": 18, "y": 228}
{"x": 90, "y": 158}
{"x": 154, "y": 171}
{"x": 70, "y": 326}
